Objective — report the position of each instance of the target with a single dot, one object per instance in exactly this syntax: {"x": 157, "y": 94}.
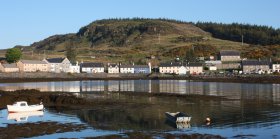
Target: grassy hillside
{"x": 132, "y": 40}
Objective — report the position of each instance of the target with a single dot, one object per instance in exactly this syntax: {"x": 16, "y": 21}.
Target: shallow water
{"x": 52, "y": 115}
{"x": 251, "y": 110}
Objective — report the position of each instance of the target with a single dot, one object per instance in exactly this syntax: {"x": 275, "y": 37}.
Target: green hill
{"x": 133, "y": 40}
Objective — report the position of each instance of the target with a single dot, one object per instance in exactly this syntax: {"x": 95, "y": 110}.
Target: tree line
{"x": 252, "y": 34}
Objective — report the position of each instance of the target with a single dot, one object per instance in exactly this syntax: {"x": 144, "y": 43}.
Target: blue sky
{"x": 23, "y": 22}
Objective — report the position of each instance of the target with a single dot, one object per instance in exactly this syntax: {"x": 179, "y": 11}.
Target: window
{"x": 22, "y": 104}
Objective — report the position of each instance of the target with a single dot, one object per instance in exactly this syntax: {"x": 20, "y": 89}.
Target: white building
{"x": 275, "y": 67}
{"x": 212, "y": 67}
{"x": 92, "y": 67}
{"x": 75, "y": 68}
{"x": 126, "y": 69}
{"x": 182, "y": 70}
{"x": 113, "y": 68}
{"x": 216, "y": 62}
{"x": 58, "y": 65}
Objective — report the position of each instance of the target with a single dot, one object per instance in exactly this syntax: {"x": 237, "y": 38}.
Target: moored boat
{"x": 178, "y": 117}
{"x": 22, "y": 106}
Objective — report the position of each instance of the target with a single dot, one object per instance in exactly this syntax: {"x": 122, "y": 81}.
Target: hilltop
{"x": 133, "y": 40}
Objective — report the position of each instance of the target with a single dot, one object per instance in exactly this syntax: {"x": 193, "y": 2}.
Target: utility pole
{"x": 44, "y": 54}
{"x": 158, "y": 38}
{"x": 242, "y": 39}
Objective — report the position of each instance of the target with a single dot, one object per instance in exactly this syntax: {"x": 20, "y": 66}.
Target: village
{"x": 226, "y": 61}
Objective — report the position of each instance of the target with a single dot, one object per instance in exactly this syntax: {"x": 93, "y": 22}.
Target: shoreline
{"x": 47, "y": 77}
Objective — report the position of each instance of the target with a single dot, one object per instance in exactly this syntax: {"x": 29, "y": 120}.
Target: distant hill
{"x": 136, "y": 40}
{"x": 252, "y": 34}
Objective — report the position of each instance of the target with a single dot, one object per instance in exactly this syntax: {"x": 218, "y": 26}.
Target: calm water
{"x": 253, "y": 109}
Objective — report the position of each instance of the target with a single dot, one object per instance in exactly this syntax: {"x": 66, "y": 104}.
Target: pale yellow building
{"x": 229, "y": 55}
{"x": 9, "y": 68}
{"x": 195, "y": 68}
{"x": 32, "y": 66}
{"x": 172, "y": 68}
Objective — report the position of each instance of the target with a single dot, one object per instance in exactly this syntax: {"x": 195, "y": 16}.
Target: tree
{"x": 13, "y": 55}
{"x": 190, "y": 55}
{"x": 71, "y": 53}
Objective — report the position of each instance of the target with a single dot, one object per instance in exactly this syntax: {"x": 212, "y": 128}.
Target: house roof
{"x": 13, "y": 65}
{"x": 2, "y": 58}
{"x": 91, "y": 65}
{"x": 195, "y": 64}
{"x": 171, "y": 64}
{"x": 255, "y": 62}
{"x": 229, "y": 53}
{"x": 33, "y": 62}
{"x": 134, "y": 66}
{"x": 55, "y": 60}
{"x": 112, "y": 65}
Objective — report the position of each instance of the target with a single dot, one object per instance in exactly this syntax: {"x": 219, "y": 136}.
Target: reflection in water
{"x": 23, "y": 116}
{"x": 181, "y": 125}
{"x": 251, "y": 108}
{"x": 269, "y": 92}
{"x": 240, "y": 114}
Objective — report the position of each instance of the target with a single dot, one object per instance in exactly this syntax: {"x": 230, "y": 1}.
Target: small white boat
{"x": 22, "y": 106}
{"x": 178, "y": 117}
{"x": 178, "y": 125}
{"x": 23, "y": 116}
{"x": 183, "y": 125}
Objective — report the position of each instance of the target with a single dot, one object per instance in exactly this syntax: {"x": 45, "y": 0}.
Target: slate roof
{"x": 112, "y": 65}
{"x": 33, "y": 62}
{"x": 195, "y": 64}
{"x": 13, "y": 65}
{"x": 171, "y": 64}
{"x": 229, "y": 53}
{"x": 2, "y": 58}
{"x": 55, "y": 60}
{"x": 100, "y": 65}
{"x": 255, "y": 62}
{"x": 134, "y": 66}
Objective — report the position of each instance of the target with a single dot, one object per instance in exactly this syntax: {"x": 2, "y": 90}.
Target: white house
{"x": 212, "y": 68}
{"x": 92, "y": 67}
{"x": 58, "y": 65}
{"x": 182, "y": 70}
{"x": 113, "y": 68}
{"x": 126, "y": 69}
{"x": 195, "y": 68}
{"x": 75, "y": 68}
{"x": 275, "y": 67}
